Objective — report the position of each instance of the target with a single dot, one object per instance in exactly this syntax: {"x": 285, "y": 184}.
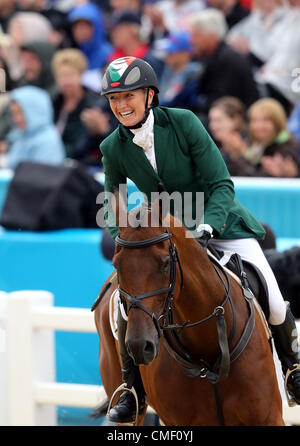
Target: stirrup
{"x": 291, "y": 401}
{"x": 132, "y": 390}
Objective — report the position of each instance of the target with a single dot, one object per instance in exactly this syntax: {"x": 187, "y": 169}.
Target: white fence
{"x": 29, "y": 393}
{"x": 28, "y": 389}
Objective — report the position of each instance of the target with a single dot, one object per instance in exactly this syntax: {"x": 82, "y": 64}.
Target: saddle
{"x": 256, "y": 280}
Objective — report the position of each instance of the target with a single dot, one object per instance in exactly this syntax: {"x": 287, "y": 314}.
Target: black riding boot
{"x": 286, "y": 343}
{"x": 125, "y": 409}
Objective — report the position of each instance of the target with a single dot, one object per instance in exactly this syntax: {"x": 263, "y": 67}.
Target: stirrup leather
{"x": 133, "y": 391}
{"x": 291, "y": 401}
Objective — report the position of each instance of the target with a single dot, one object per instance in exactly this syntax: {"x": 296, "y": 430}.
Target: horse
{"x": 195, "y": 335}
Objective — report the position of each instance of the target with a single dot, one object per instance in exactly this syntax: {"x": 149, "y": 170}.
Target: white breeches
{"x": 250, "y": 250}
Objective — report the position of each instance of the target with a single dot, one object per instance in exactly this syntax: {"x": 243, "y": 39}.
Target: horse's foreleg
{"x": 109, "y": 359}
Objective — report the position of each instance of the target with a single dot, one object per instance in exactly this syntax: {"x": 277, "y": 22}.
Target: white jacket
{"x": 260, "y": 31}
{"x": 282, "y": 70}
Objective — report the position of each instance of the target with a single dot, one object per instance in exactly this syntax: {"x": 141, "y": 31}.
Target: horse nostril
{"x": 142, "y": 351}
{"x": 149, "y": 348}
{"x": 128, "y": 349}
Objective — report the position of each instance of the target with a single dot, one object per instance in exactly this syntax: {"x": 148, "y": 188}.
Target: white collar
{"x": 144, "y": 136}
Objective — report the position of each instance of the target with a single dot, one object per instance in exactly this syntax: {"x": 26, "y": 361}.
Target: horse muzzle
{"x": 143, "y": 351}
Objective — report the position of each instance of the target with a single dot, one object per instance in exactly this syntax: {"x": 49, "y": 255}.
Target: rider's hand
{"x": 205, "y": 234}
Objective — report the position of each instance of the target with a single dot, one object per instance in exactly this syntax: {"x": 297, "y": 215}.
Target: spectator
{"x": 294, "y": 123}
{"x": 226, "y": 72}
{"x": 8, "y": 82}
{"x": 119, "y": 5}
{"x": 88, "y": 31}
{"x": 272, "y": 150}
{"x": 279, "y": 74}
{"x": 66, "y": 5}
{"x": 271, "y": 139}
{"x": 5, "y": 43}
{"x": 233, "y": 10}
{"x": 60, "y": 35}
{"x": 171, "y": 15}
{"x": 24, "y": 27}
{"x": 7, "y": 9}
{"x": 248, "y": 4}
{"x": 125, "y": 32}
{"x": 179, "y": 70}
{"x": 34, "y": 136}
{"x": 79, "y": 113}
{"x": 6, "y": 85}
{"x": 257, "y": 35}
{"x": 36, "y": 57}
{"x": 227, "y": 124}
{"x": 137, "y": 7}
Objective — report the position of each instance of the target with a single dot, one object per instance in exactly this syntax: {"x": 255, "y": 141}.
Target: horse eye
{"x": 165, "y": 264}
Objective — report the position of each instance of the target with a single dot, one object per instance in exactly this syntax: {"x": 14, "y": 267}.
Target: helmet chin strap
{"x": 146, "y": 114}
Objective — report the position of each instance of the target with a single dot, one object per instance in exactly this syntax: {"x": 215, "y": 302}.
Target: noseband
{"x": 135, "y": 301}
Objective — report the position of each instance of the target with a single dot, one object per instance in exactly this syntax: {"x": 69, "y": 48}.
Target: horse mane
{"x": 142, "y": 214}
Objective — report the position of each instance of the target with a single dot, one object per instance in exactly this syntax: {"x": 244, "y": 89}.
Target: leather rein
{"x": 164, "y": 323}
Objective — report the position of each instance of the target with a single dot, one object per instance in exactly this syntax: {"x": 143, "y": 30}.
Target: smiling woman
{"x": 125, "y": 89}
{"x": 129, "y": 107}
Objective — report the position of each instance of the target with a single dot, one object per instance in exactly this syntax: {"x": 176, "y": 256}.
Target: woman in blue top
{"x": 34, "y": 136}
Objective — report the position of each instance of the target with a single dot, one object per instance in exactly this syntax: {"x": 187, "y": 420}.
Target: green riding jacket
{"x": 187, "y": 161}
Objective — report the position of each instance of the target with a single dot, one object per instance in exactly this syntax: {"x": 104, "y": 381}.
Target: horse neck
{"x": 201, "y": 282}
{"x": 203, "y": 291}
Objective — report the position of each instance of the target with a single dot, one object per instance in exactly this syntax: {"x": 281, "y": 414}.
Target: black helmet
{"x": 128, "y": 73}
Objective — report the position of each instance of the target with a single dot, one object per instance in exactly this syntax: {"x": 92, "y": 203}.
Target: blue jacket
{"x": 97, "y": 49}
{"x": 40, "y": 141}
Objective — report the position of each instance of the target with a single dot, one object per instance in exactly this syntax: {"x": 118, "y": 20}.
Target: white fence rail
{"x": 29, "y": 393}
{"x": 28, "y": 389}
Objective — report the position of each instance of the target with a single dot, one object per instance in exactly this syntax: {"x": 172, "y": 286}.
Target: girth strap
{"x": 224, "y": 348}
{"x": 246, "y": 335}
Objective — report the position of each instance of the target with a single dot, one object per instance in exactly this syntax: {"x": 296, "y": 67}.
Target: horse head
{"x": 146, "y": 261}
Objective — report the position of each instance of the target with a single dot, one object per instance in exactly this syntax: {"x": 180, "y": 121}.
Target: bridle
{"x": 135, "y": 301}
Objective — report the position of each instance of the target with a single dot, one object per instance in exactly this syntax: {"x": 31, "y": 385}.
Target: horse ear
{"x": 160, "y": 188}
{"x": 119, "y": 206}
{"x": 157, "y": 208}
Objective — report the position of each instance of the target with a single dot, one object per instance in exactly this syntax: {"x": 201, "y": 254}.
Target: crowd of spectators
{"x": 235, "y": 63}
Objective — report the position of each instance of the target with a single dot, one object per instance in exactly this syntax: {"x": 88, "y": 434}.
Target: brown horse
{"x": 201, "y": 348}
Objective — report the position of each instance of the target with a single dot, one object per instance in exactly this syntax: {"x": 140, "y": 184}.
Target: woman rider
{"x": 153, "y": 145}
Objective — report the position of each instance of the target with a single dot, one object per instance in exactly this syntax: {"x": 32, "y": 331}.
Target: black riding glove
{"x": 205, "y": 234}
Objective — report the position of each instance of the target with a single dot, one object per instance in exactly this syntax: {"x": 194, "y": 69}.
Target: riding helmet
{"x": 129, "y": 73}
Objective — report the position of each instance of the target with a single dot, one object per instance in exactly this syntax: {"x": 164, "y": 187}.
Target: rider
{"x": 155, "y": 145}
